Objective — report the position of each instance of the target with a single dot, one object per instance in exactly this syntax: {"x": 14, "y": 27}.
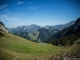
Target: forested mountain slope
{"x": 69, "y": 34}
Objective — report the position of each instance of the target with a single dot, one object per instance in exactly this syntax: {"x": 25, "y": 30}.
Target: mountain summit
{"x": 29, "y": 28}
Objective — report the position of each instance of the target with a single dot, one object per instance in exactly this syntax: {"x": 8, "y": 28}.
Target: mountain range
{"x": 32, "y": 28}
{"x": 39, "y": 35}
{"x": 60, "y": 26}
{"x": 36, "y": 33}
{"x": 43, "y": 34}
{"x": 29, "y": 28}
{"x": 67, "y": 35}
{"x": 13, "y": 47}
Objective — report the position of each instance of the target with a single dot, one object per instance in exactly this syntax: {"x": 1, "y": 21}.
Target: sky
{"x": 15, "y": 13}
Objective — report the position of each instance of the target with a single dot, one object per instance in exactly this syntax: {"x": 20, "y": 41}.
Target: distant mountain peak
{"x": 60, "y": 26}
{"x": 29, "y": 28}
{"x": 33, "y": 25}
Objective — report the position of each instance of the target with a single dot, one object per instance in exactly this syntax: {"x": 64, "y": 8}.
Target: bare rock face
{"x": 3, "y": 28}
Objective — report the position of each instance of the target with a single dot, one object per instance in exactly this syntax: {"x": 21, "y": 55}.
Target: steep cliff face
{"x": 3, "y": 28}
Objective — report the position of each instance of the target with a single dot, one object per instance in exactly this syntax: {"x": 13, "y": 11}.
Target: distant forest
{"x": 67, "y": 40}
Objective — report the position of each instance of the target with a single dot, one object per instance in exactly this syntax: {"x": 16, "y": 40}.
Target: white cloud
{"x": 8, "y": 17}
{"x": 32, "y": 7}
{"x": 3, "y": 6}
{"x": 7, "y": 11}
{"x": 21, "y": 2}
{"x": 30, "y": 2}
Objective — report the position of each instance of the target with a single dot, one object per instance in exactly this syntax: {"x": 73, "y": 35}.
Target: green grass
{"x": 12, "y": 46}
{"x": 34, "y": 37}
{"x": 16, "y": 48}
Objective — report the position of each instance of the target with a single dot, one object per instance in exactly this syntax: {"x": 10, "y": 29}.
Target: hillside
{"x": 43, "y": 34}
{"x": 16, "y": 48}
{"x": 69, "y": 34}
{"x": 2, "y": 27}
{"x": 13, "y": 47}
{"x": 23, "y": 34}
{"x": 39, "y": 35}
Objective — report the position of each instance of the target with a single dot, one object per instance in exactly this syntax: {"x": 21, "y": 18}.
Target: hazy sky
{"x": 15, "y": 13}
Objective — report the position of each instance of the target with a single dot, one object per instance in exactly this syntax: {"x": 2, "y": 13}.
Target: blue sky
{"x": 15, "y": 13}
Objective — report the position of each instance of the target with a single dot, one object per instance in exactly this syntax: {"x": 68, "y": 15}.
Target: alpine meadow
{"x": 39, "y": 29}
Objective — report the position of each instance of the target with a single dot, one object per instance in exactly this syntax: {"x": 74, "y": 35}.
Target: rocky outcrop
{"x": 3, "y": 28}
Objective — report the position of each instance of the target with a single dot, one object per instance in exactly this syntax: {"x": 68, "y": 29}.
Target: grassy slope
{"x": 34, "y": 37}
{"x": 16, "y": 48}
{"x": 42, "y": 34}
